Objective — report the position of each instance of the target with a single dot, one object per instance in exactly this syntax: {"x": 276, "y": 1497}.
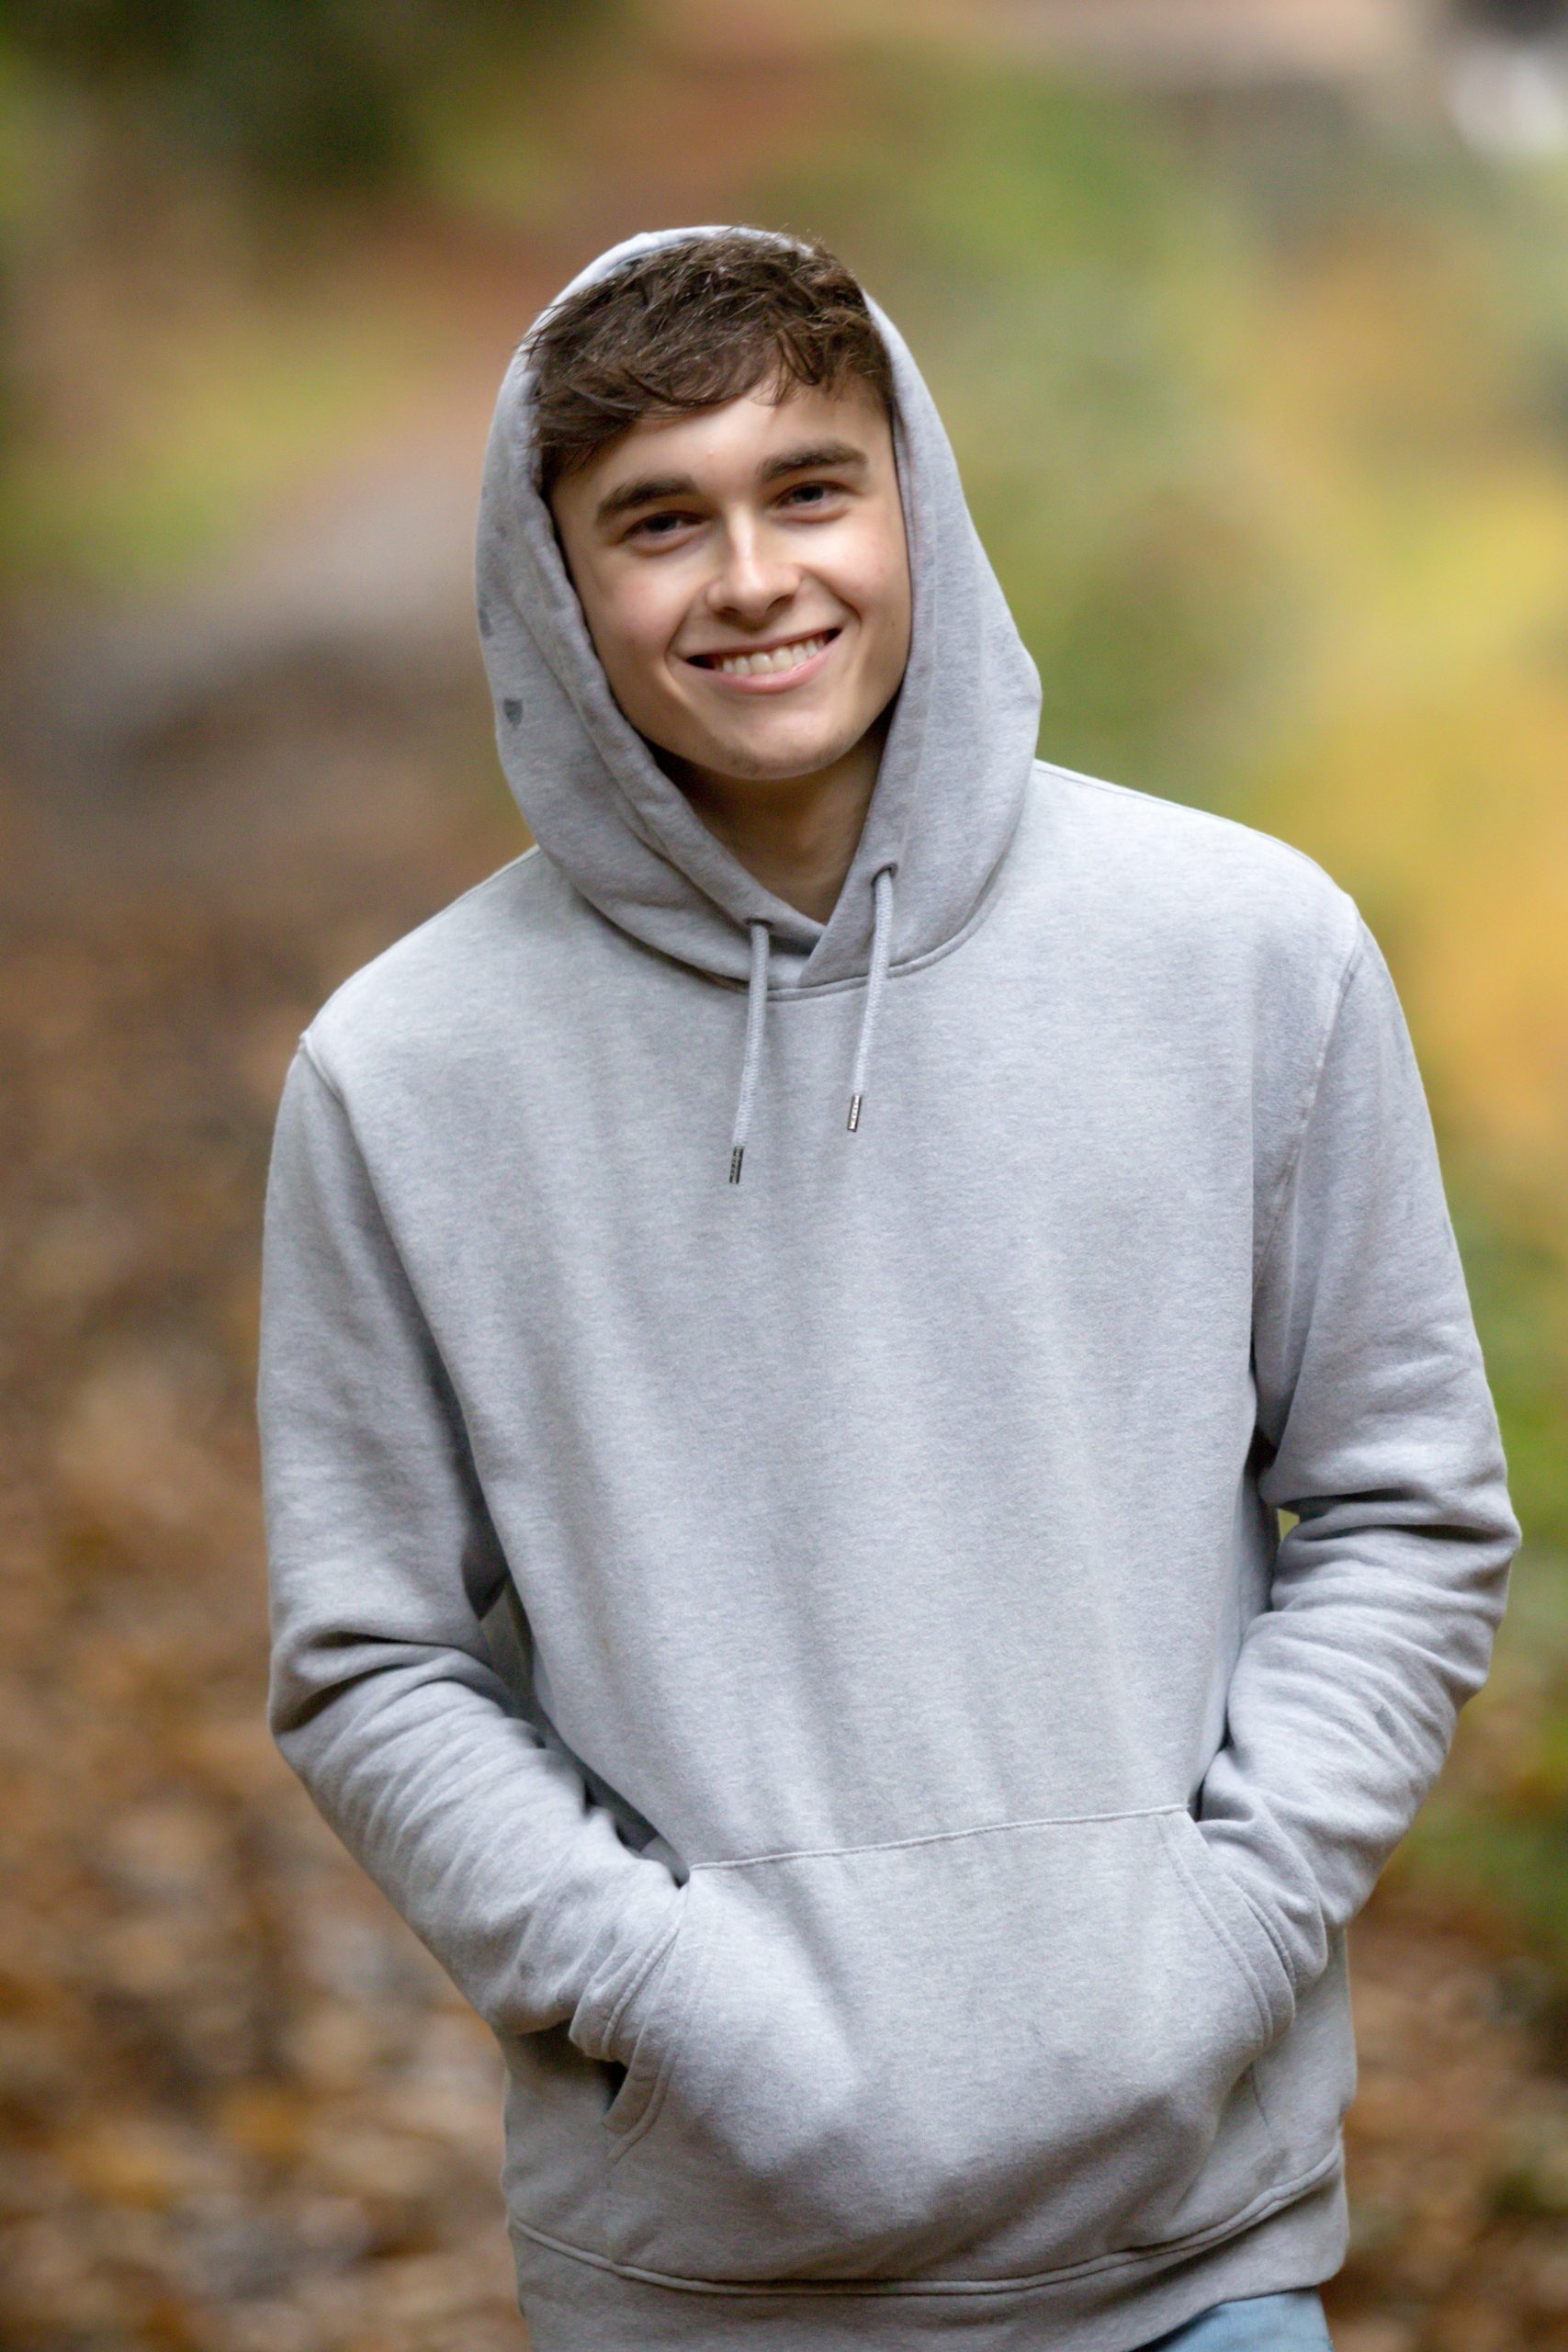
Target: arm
{"x": 1377, "y": 1429}
{"x": 384, "y": 1697}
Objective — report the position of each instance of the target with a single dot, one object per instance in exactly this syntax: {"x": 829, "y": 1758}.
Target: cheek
{"x": 633, "y": 622}
{"x": 874, "y": 581}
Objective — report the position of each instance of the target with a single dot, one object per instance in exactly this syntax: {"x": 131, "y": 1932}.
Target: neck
{"x": 797, "y": 835}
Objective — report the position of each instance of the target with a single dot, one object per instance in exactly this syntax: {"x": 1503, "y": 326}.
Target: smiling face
{"x": 745, "y": 579}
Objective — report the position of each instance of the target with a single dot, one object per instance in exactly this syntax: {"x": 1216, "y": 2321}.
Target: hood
{"x": 949, "y": 791}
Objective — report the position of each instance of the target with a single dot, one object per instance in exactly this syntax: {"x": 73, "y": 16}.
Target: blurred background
{"x": 1249, "y": 321}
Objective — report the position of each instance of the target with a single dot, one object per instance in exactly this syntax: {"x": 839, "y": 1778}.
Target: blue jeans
{"x": 1291, "y": 2323}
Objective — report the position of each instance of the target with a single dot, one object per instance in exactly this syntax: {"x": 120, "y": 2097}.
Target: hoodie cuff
{"x": 1238, "y": 1921}
{"x": 626, "y": 1967}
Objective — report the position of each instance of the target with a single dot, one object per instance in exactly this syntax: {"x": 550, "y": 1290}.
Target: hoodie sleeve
{"x": 382, "y": 1561}
{"x": 1377, "y": 1430}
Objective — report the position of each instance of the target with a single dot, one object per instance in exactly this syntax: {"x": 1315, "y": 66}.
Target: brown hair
{"x": 691, "y": 324}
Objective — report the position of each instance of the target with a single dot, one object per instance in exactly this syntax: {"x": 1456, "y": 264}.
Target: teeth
{"x": 782, "y": 657}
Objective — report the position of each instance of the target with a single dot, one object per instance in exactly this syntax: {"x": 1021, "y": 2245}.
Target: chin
{"x": 776, "y": 762}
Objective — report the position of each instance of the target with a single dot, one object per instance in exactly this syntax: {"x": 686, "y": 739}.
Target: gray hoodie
{"x": 906, "y": 1865}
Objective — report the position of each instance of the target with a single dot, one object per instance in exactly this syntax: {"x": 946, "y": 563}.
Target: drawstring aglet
{"x": 736, "y": 1157}
{"x": 854, "y": 1113}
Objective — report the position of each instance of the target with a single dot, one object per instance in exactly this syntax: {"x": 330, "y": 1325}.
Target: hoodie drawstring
{"x": 756, "y": 1003}
{"x": 756, "y": 1006}
{"x": 881, "y": 948}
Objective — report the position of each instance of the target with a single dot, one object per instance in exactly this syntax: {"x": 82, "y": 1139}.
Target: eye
{"x": 816, "y": 493}
{"x": 663, "y": 526}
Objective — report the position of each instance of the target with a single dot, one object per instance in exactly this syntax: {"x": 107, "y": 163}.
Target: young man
{"x": 860, "y": 1235}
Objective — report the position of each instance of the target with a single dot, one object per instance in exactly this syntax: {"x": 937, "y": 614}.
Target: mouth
{"x": 786, "y": 662}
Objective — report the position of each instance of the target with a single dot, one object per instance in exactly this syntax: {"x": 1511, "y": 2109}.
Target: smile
{"x": 769, "y": 665}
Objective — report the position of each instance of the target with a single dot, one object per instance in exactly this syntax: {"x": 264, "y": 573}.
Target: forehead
{"x": 730, "y": 448}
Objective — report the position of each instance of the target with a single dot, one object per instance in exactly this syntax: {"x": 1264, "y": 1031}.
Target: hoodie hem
{"x": 1028, "y": 2283}
{"x": 575, "y": 2300}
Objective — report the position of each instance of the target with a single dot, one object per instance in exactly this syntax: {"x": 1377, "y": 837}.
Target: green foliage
{"x": 1518, "y": 1272}
{"x": 307, "y": 95}
{"x": 1494, "y": 1833}
{"x": 1079, "y": 303}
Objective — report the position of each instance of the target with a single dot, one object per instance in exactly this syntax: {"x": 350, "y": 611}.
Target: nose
{"x": 752, "y": 576}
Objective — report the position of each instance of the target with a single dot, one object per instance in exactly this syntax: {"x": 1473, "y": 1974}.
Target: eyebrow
{"x": 650, "y": 490}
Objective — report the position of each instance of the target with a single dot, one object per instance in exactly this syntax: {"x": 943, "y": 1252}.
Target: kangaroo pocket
{"x": 988, "y": 2054}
